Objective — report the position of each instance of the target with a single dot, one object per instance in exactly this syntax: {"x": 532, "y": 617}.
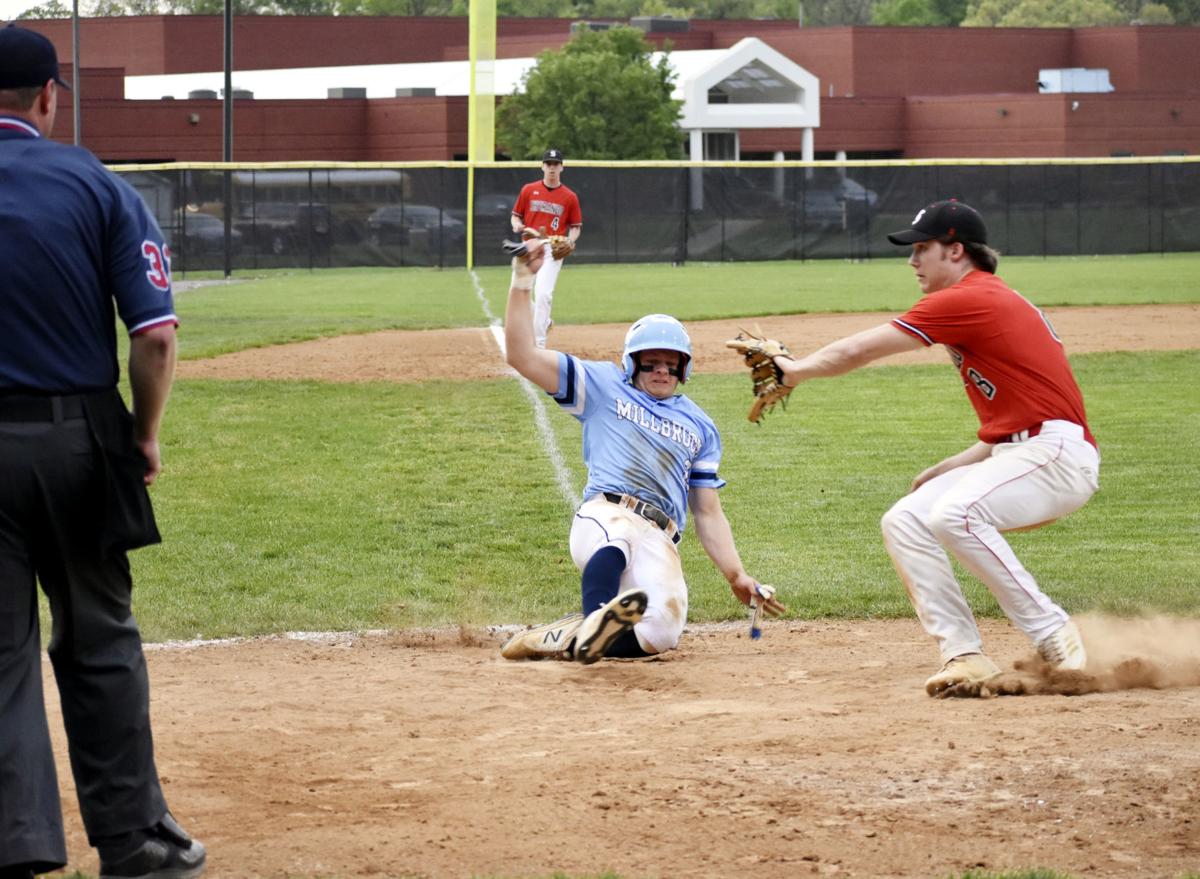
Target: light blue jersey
{"x": 636, "y": 444}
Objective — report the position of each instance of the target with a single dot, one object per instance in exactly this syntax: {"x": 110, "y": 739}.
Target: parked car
{"x": 205, "y": 234}
{"x": 285, "y": 227}
{"x": 417, "y": 226}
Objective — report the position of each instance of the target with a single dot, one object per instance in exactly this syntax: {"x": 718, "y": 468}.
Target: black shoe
{"x": 166, "y": 852}
{"x": 604, "y": 626}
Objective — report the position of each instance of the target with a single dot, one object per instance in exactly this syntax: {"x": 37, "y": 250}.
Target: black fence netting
{"x": 416, "y": 215}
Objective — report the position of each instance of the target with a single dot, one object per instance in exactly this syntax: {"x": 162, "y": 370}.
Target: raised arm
{"x": 539, "y": 365}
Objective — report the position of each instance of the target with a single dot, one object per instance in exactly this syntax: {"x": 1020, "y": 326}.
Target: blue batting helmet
{"x": 657, "y": 331}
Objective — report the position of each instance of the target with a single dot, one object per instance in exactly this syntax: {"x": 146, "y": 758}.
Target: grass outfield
{"x": 312, "y": 506}
{"x": 292, "y": 306}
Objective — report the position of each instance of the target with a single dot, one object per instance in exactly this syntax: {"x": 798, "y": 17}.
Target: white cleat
{"x": 556, "y": 639}
{"x": 963, "y": 669}
{"x": 1064, "y": 649}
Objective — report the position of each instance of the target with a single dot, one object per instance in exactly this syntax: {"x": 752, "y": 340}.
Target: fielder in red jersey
{"x": 1036, "y": 459}
{"x": 1013, "y": 365}
{"x": 548, "y": 208}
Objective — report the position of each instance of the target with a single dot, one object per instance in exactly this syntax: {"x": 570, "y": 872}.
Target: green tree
{"x": 919, "y": 13}
{"x": 600, "y": 97}
{"x": 829, "y": 13}
{"x": 1155, "y": 13}
{"x": 51, "y": 9}
{"x": 103, "y": 8}
{"x": 1043, "y": 13}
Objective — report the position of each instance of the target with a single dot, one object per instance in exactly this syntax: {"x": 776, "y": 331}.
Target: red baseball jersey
{"x": 1013, "y": 365}
{"x": 549, "y": 211}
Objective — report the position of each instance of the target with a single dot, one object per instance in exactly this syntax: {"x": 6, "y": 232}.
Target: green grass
{"x": 292, "y": 306}
{"x": 702, "y": 291}
{"x": 301, "y": 505}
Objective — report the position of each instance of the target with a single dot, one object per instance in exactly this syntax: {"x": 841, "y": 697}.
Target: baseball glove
{"x": 767, "y": 378}
{"x": 561, "y": 246}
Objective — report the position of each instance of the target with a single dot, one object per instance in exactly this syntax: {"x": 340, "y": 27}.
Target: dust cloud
{"x": 1154, "y": 653}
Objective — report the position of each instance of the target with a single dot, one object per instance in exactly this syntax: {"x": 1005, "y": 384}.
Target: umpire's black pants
{"x": 48, "y": 531}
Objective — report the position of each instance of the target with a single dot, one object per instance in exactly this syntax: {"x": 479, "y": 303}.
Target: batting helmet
{"x": 656, "y": 331}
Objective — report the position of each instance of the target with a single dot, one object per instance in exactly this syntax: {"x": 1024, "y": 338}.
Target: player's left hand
{"x": 561, "y": 246}
{"x": 766, "y": 375}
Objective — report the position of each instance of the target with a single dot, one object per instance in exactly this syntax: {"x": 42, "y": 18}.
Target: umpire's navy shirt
{"x": 74, "y": 237}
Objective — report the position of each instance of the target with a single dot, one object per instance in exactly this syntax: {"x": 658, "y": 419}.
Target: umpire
{"x": 74, "y": 466}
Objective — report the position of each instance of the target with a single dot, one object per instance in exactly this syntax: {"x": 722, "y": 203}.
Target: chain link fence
{"x": 254, "y": 217}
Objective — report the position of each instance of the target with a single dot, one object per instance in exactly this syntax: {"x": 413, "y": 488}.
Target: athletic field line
{"x": 539, "y": 404}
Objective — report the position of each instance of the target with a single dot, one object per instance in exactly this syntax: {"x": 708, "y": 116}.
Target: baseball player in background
{"x": 547, "y": 208}
{"x": 651, "y": 455}
{"x": 1035, "y": 460}
{"x": 78, "y": 248}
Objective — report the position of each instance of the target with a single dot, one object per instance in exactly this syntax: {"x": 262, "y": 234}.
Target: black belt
{"x": 29, "y": 407}
{"x": 646, "y": 511}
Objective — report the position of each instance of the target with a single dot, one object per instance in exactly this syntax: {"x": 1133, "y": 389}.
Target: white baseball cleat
{"x": 545, "y": 641}
{"x": 1064, "y": 649}
{"x": 960, "y": 670}
{"x": 603, "y": 626}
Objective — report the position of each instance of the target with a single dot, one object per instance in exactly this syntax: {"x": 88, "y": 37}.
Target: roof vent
{"x": 416, "y": 92}
{"x": 352, "y": 92}
{"x": 1073, "y": 79}
{"x": 579, "y": 26}
{"x": 661, "y": 23}
{"x": 202, "y": 95}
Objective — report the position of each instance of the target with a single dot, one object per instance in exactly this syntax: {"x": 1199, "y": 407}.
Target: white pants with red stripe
{"x": 1022, "y": 485}
{"x": 543, "y": 296}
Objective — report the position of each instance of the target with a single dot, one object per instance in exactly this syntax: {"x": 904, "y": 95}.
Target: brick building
{"x": 884, "y": 92}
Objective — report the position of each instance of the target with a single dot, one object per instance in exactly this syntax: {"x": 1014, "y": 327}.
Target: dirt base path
{"x": 418, "y": 355}
{"x": 813, "y": 751}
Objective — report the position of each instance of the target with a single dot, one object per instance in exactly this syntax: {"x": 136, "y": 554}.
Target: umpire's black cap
{"x": 26, "y": 59}
{"x": 944, "y": 219}
{"x": 552, "y": 155}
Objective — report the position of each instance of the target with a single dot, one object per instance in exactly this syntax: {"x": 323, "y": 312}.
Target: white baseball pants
{"x": 653, "y": 566}
{"x": 543, "y": 295}
{"x": 1022, "y": 485}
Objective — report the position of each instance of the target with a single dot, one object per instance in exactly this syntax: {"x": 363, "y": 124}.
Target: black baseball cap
{"x": 26, "y": 59}
{"x": 944, "y": 219}
{"x": 552, "y": 155}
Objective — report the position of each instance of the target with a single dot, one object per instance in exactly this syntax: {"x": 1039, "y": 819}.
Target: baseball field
{"x": 360, "y": 503}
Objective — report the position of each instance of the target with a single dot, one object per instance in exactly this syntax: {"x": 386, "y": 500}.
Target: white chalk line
{"x": 537, "y": 401}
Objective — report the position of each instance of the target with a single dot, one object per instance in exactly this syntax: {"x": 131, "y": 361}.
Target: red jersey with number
{"x": 549, "y": 211}
{"x": 1013, "y": 365}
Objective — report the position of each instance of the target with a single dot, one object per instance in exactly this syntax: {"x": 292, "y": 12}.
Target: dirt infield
{"x": 814, "y": 751}
{"x": 410, "y": 355}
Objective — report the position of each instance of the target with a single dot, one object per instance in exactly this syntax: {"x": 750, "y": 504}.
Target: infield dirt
{"x": 813, "y": 751}
{"x": 419, "y": 355}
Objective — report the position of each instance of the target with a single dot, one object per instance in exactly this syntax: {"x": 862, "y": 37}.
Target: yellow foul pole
{"x": 481, "y": 105}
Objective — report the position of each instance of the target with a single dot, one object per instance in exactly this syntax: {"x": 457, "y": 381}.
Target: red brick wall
{"x": 1032, "y": 126}
{"x": 923, "y": 91}
{"x": 416, "y": 129}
